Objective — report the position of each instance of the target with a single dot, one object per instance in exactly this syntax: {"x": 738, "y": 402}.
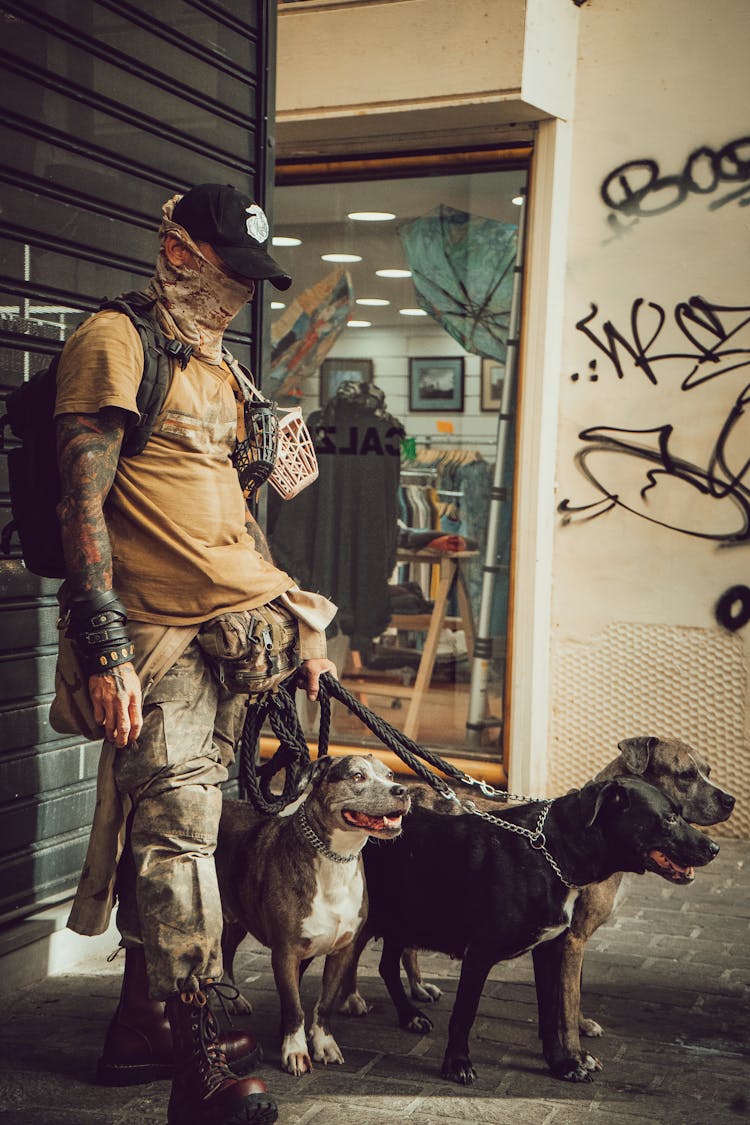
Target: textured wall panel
{"x": 637, "y": 679}
{"x": 108, "y": 109}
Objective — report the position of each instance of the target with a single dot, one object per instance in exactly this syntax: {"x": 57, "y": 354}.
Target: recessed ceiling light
{"x": 278, "y": 305}
{"x": 374, "y": 301}
{"x": 412, "y": 312}
{"x": 517, "y": 199}
{"x": 393, "y": 273}
{"x": 371, "y": 216}
{"x": 359, "y": 324}
{"x": 341, "y": 257}
{"x": 285, "y": 240}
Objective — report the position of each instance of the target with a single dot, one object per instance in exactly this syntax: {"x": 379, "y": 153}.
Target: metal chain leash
{"x": 409, "y": 751}
{"x": 293, "y": 754}
{"x": 537, "y": 838}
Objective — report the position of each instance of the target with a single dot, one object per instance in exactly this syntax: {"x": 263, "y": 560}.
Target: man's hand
{"x": 310, "y": 672}
{"x": 116, "y": 696}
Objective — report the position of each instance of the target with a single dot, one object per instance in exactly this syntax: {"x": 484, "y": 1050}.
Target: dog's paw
{"x": 295, "y": 1058}
{"x": 590, "y": 1028}
{"x": 325, "y": 1048}
{"x": 571, "y": 1070}
{"x": 419, "y": 1023}
{"x": 588, "y": 1062}
{"x": 458, "y": 1068}
{"x": 425, "y": 993}
{"x": 355, "y": 1005}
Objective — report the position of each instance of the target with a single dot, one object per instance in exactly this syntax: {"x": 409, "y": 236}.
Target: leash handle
{"x": 293, "y": 755}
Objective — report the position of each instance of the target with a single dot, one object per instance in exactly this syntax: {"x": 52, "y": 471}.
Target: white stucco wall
{"x": 635, "y": 645}
{"x": 377, "y": 75}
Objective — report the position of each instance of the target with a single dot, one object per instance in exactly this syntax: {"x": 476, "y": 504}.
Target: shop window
{"x": 394, "y": 341}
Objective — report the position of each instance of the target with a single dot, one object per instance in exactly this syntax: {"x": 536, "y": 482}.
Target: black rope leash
{"x": 293, "y": 755}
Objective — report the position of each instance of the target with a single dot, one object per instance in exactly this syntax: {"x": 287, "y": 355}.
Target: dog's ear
{"x": 636, "y": 753}
{"x": 597, "y": 795}
{"x": 312, "y": 773}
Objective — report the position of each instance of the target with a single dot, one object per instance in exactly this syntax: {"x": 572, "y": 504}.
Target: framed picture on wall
{"x": 493, "y": 377}
{"x": 334, "y": 372}
{"x": 436, "y": 384}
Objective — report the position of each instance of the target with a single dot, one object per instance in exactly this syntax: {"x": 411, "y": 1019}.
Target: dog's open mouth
{"x": 660, "y": 863}
{"x": 389, "y": 822}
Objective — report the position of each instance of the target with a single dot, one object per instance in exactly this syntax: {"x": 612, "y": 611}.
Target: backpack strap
{"x": 158, "y": 353}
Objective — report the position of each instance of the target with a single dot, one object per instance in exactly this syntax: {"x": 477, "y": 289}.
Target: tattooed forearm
{"x": 88, "y": 448}
{"x": 259, "y": 540}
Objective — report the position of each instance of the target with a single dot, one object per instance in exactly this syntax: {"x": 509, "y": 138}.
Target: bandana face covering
{"x": 195, "y": 303}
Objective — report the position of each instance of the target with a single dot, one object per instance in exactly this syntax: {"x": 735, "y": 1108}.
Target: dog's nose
{"x": 398, "y": 790}
{"x": 727, "y": 800}
{"x": 713, "y": 847}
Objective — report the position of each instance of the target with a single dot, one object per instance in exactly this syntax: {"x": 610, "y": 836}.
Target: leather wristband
{"x": 96, "y": 625}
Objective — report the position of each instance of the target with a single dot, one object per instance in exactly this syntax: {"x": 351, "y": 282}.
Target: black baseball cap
{"x": 234, "y": 226}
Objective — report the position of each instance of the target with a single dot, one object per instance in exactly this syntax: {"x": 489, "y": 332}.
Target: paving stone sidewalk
{"x": 668, "y": 980}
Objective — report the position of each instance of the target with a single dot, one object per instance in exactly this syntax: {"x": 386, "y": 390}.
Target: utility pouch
{"x": 252, "y": 651}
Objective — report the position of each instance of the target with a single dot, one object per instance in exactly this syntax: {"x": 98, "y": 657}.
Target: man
{"x": 156, "y": 546}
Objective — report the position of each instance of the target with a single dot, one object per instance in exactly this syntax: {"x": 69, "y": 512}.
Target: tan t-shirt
{"x": 175, "y": 514}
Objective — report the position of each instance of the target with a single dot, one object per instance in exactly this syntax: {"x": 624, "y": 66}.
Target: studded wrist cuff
{"x": 96, "y": 626}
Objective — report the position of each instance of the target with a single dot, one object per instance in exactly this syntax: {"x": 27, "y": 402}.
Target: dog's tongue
{"x": 372, "y": 823}
{"x": 669, "y": 865}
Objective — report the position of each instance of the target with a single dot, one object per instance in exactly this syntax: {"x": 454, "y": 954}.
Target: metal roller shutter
{"x": 110, "y": 106}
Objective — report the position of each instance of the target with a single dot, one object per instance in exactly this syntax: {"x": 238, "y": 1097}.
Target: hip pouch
{"x": 252, "y": 651}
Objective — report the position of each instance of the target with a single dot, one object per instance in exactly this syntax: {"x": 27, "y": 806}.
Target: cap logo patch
{"x": 257, "y": 223}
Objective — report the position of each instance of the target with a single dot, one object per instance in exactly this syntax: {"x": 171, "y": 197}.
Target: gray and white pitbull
{"x": 296, "y": 883}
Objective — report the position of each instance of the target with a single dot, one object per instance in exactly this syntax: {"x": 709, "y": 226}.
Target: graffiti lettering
{"x": 715, "y": 498}
{"x": 638, "y": 190}
{"x": 710, "y": 333}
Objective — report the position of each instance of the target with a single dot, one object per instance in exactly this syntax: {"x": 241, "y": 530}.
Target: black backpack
{"x": 32, "y": 466}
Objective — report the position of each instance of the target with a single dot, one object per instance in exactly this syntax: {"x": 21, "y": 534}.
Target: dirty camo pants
{"x": 166, "y": 883}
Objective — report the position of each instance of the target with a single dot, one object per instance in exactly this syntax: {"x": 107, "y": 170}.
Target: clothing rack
{"x": 440, "y": 440}
{"x": 432, "y": 473}
{"x": 427, "y": 471}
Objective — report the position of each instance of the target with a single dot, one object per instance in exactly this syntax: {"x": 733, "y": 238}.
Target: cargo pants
{"x": 167, "y": 890}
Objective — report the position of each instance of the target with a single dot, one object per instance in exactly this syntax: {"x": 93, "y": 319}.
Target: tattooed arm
{"x": 88, "y": 448}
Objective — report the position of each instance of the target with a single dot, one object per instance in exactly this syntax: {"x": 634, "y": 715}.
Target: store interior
{"x": 393, "y": 342}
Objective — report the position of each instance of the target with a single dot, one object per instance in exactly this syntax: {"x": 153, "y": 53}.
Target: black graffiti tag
{"x": 710, "y": 335}
{"x": 733, "y": 608}
{"x": 638, "y": 190}
{"x": 651, "y": 476}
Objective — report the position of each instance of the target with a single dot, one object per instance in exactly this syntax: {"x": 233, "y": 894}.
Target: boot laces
{"x": 213, "y": 1062}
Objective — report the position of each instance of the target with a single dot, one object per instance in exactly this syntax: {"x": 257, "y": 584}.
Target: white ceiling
{"x": 317, "y": 214}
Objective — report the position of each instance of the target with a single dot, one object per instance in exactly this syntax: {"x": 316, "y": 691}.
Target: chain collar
{"x": 537, "y": 839}
{"x": 304, "y": 826}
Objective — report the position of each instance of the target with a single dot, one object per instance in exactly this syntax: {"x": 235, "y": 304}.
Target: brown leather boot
{"x": 204, "y": 1090}
{"x": 138, "y": 1044}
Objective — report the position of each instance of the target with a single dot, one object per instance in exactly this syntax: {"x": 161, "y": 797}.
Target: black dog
{"x": 480, "y": 892}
